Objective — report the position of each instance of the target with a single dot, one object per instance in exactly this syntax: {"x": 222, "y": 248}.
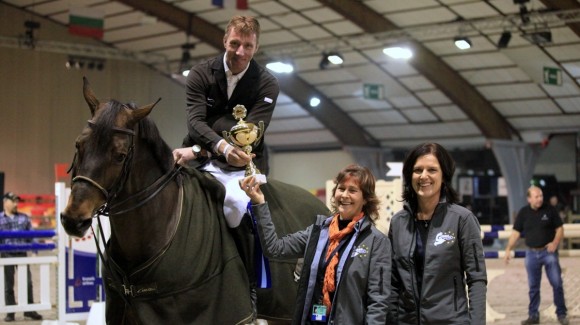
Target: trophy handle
{"x": 260, "y": 133}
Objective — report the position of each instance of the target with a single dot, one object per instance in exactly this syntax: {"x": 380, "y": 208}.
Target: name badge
{"x": 318, "y": 313}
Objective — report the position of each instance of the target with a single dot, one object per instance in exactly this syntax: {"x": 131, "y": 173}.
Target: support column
{"x": 517, "y": 161}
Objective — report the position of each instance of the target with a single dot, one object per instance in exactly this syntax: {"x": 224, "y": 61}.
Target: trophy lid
{"x": 239, "y": 112}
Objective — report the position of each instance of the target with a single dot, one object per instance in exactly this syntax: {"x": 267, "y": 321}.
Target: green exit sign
{"x": 373, "y": 91}
{"x": 552, "y": 76}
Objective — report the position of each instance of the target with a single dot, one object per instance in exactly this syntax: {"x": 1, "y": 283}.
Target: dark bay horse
{"x": 170, "y": 258}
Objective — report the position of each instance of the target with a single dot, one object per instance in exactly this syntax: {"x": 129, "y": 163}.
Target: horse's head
{"x": 102, "y": 160}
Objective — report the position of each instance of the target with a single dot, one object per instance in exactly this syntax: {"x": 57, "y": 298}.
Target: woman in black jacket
{"x": 436, "y": 247}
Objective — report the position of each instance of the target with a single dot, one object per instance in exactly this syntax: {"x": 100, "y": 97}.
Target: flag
{"x": 240, "y": 4}
{"x": 86, "y": 22}
{"x": 60, "y": 171}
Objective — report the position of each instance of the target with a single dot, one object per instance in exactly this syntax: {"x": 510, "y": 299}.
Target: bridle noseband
{"x": 117, "y": 186}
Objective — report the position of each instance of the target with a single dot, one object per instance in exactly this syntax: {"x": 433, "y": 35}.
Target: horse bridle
{"x": 117, "y": 186}
{"x": 107, "y": 209}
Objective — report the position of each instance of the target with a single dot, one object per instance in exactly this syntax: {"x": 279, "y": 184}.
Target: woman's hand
{"x": 252, "y": 189}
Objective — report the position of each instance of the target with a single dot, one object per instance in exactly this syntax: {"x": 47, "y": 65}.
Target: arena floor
{"x": 506, "y": 292}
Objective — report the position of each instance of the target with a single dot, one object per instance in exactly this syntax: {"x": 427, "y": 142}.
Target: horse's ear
{"x": 90, "y": 97}
{"x": 143, "y": 111}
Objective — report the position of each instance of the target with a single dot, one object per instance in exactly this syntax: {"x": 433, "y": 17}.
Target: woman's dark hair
{"x": 366, "y": 182}
{"x": 447, "y": 167}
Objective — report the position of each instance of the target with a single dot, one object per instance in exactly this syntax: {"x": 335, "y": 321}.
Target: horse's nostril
{"x": 75, "y": 227}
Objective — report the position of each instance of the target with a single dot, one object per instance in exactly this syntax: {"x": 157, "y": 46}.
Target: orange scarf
{"x": 334, "y": 237}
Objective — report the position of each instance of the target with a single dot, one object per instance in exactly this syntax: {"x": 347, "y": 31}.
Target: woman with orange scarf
{"x": 347, "y": 262}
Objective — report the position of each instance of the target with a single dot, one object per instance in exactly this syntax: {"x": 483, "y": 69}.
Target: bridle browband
{"x": 108, "y": 208}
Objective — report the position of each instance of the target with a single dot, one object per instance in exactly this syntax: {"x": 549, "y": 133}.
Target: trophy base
{"x": 260, "y": 178}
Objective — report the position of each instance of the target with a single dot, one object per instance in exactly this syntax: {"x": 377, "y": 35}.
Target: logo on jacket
{"x": 361, "y": 251}
{"x": 544, "y": 217}
{"x": 444, "y": 237}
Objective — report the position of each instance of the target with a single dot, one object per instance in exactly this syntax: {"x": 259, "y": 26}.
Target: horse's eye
{"x": 121, "y": 157}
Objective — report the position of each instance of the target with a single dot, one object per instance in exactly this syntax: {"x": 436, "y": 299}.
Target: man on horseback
{"x": 213, "y": 89}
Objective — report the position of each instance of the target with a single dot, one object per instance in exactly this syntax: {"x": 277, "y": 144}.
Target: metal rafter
{"x": 346, "y": 130}
{"x": 565, "y": 5}
{"x": 465, "y": 96}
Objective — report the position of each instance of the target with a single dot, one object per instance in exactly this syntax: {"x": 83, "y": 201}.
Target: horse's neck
{"x": 141, "y": 233}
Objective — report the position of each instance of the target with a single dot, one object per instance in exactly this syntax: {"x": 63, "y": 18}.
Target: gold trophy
{"x": 243, "y": 135}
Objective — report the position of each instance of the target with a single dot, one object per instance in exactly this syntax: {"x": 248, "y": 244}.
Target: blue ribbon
{"x": 261, "y": 262}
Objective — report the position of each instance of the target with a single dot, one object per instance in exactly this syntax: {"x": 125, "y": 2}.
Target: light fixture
{"x": 504, "y": 39}
{"x": 314, "y": 101}
{"x": 524, "y": 14}
{"x": 185, "y": 58}
{"x": 28, "y": 39}
{"x": 330, "y": 57}
{"x": 397, "y": 52}
{"x": 80, "y": 62}
{"x": 280, "y": 67}
{"x": 462, "y": 42}
{"x": 538, "y": 37}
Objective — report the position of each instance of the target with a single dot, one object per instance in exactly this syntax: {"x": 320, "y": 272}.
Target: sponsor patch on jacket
{"x": 361, "y": 251}
{"x": 444, "y": 238}
{"x": 268, "y": 100}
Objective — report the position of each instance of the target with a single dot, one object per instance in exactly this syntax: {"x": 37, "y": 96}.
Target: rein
{"x": 108, "y": 208}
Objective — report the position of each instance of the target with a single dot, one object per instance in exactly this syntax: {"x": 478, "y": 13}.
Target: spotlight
{"x": 538, "y": 37}
{"x": 185, "y": 57}
{"x": 280, "y": 67}
{"x": 314, "y": 101}
{"x": 323, "y": 63}
{"x": 504, "y": 39}
{"x": 330, "y": 57}
{"x": 398, "y": 52}
{"x": 524, "y": 14}
{"x": 79, "y": 62}
{"x": 462, "y": 43}
{"x": 335, "y": 58}
{"x": 28, "y": 38}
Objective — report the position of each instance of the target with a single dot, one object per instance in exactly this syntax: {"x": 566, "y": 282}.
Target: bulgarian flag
{"x": 240, "y": 4}
{"x": 86, "y": 22}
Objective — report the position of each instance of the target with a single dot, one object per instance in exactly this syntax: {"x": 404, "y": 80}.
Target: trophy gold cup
{"x": 243, "y": 135}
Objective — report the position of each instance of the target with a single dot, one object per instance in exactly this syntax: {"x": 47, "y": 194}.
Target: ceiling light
{"x": 280, "y": 67}
{"x": 538, "y": 37}
{"x": 185, "y": 57}
{"x": 398, "y": 52}
{"x": 504, "y": 39}
{"x": 462, "y": 43}
{"x": 335, "y": 58}
{"x": 330, "y": 57}
{"x": 314, "y": 101}
{"x": 80, "y": 62}
{"x": 524, "y": 14}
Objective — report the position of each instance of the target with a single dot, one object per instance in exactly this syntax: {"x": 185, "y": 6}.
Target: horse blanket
{"x": 171, "y": 288}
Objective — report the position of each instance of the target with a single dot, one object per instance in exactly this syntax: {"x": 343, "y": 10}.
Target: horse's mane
{"x": 147, "y": 131}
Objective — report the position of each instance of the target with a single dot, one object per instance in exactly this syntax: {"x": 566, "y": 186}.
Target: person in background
{"x": 12, "y": 220}
{"x": 436, "y": 245}
{"x": 347, "y": 264}
{"x": 213, "y": 89}
{"x": 543, "y": 232}
{"x": 559, "y": 206}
